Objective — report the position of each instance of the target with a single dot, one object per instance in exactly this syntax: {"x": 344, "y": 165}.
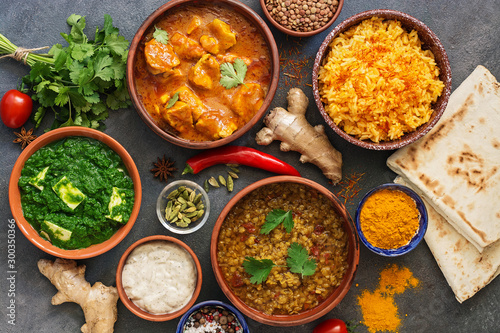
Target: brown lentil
{"x": 302, "y": 15}
{"x": 283, "y": 292}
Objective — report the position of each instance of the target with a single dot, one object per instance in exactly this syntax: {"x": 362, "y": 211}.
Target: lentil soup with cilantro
{"x": 282, "y": 249}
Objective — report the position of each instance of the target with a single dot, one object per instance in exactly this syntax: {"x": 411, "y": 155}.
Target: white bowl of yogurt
{"x": 159, "y": 278}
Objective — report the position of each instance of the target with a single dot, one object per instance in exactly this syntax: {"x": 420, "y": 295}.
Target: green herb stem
{"x": 7, "y": 48}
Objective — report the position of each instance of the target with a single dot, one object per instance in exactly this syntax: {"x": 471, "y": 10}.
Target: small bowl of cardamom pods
{"x": 183, "y": 207}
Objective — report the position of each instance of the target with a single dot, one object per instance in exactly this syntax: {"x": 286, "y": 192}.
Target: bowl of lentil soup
{"x": 202, "y": 73}
{"x": 301, "y": 18}
{"x": 394, "y": 85}
{"x": 57, "y": 138}
{"x": 391, "y": 220}
{"x": 315, "y": 231}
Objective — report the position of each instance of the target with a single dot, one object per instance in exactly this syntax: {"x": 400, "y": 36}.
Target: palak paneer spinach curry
{"x": 202, "y": 71}
{"x": 76, "y": 192}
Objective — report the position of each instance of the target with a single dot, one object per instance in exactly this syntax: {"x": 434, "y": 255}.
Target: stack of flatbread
{"x": 456, "y": 169}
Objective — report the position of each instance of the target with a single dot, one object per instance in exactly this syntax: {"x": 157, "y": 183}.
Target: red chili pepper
{"x": 238, "y": 155}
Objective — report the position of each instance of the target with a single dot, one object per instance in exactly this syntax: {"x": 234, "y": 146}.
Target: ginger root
{"x": 295, "y": 133}
{"x": 98, "y": 302}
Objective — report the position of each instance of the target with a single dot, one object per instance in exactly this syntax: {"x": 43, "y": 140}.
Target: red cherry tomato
{"x": 331, "y": 326}
{"x": 15, "y": 108}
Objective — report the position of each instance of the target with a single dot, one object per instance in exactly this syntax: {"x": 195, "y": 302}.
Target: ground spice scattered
{"x": 294, "y": 68}
{"x": 389, "y": 219}
{"x": 379, "y": 309}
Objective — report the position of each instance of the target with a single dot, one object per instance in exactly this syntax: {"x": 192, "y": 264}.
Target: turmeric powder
{"x": 389, "y": 219}
{"x": 380, "y": 312}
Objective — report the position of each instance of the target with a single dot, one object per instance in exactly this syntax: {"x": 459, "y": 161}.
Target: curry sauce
{"x": 179, "y": 82}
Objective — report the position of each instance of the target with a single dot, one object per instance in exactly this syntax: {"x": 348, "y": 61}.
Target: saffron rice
{"x": 377, "y": 83}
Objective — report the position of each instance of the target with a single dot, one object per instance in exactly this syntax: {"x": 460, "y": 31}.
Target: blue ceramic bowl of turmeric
{"x": 391, "y": 220}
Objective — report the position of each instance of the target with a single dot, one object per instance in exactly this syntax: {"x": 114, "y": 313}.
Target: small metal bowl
{"x": 215, "y": 304}
{"x": 161, "y": 205}
{"x": 415, "y": 239}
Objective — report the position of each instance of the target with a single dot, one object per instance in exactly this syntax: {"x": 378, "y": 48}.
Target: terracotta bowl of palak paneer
{"x": 75, "y": 192}
{"x": 202, "y": 73}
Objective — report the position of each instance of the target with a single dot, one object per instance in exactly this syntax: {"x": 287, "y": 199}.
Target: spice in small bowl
{"x": 301, "y": 18}
{"x": 212, "y": 316}
{"x": 183, "y": 207}
{"x": 391, "y": 220}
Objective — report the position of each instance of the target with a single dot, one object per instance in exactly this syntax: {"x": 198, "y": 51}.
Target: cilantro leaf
{"x": 160, "y": 35}
{"x": 258, "y": 269}
{"x": 172, "y": 100}
{"x": 298, "y": 260}
{"x": 274, "y": 218}
{"x": 233, "y": 74}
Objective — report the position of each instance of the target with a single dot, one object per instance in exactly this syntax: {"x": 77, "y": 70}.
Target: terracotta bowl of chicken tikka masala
{"x": 202, "y": 73}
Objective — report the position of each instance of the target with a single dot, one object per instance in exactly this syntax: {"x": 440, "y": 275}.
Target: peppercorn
{"x": 302, "y": 15}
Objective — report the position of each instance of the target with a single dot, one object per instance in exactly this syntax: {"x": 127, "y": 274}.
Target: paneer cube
{"x": 205, "y": 72}
{"x": 160, "y": 57}
{"x": 214, "y": 125}
{"x": 185, "y": 47}
{"x": 247, "y": 100}
{"x": 68, "y": 193}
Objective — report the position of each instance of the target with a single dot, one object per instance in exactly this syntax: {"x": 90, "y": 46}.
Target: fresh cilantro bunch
{"x": 81, "y": 81}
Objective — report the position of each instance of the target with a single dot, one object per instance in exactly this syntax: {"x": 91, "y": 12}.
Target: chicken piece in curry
{"x": 179, "y": 80}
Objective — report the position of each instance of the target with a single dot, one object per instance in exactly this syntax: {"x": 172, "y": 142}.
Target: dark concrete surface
{"x": 470, "y": 34}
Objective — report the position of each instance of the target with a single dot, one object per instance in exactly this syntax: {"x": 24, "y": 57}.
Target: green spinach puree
{"x": 75, "y": 192}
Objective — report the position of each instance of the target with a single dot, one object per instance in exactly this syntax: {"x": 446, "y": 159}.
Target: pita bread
{"x": 456, "y": 166}
{"x": 466, "y": 269}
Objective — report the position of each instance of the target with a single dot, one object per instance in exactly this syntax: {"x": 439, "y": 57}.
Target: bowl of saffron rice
{"x": 381, "y": 79}
{"x": 391, "y": 220}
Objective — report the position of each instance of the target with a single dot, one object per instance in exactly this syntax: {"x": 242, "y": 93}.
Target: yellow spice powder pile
{"x": 389, "y": 219}
{"x": 380, "y": 312}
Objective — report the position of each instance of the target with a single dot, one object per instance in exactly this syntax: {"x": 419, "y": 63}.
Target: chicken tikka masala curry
{"x": 203, "y": 72}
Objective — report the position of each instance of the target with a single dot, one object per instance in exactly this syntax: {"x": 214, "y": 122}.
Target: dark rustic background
{"x": 470, "y": 35}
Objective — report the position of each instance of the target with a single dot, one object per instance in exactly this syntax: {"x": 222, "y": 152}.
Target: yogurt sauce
{"x": 159, "y": 277}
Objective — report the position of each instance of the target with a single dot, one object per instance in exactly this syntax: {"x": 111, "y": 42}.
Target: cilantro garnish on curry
{"x": 75, "y": 192}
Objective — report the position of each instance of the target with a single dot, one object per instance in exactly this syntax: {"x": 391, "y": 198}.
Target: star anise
{"x": 163, "y": 168}
{"x": 24, "y": 138}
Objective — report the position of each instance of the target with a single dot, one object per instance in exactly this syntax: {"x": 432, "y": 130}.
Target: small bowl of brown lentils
{"x": 301, "y": 18}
